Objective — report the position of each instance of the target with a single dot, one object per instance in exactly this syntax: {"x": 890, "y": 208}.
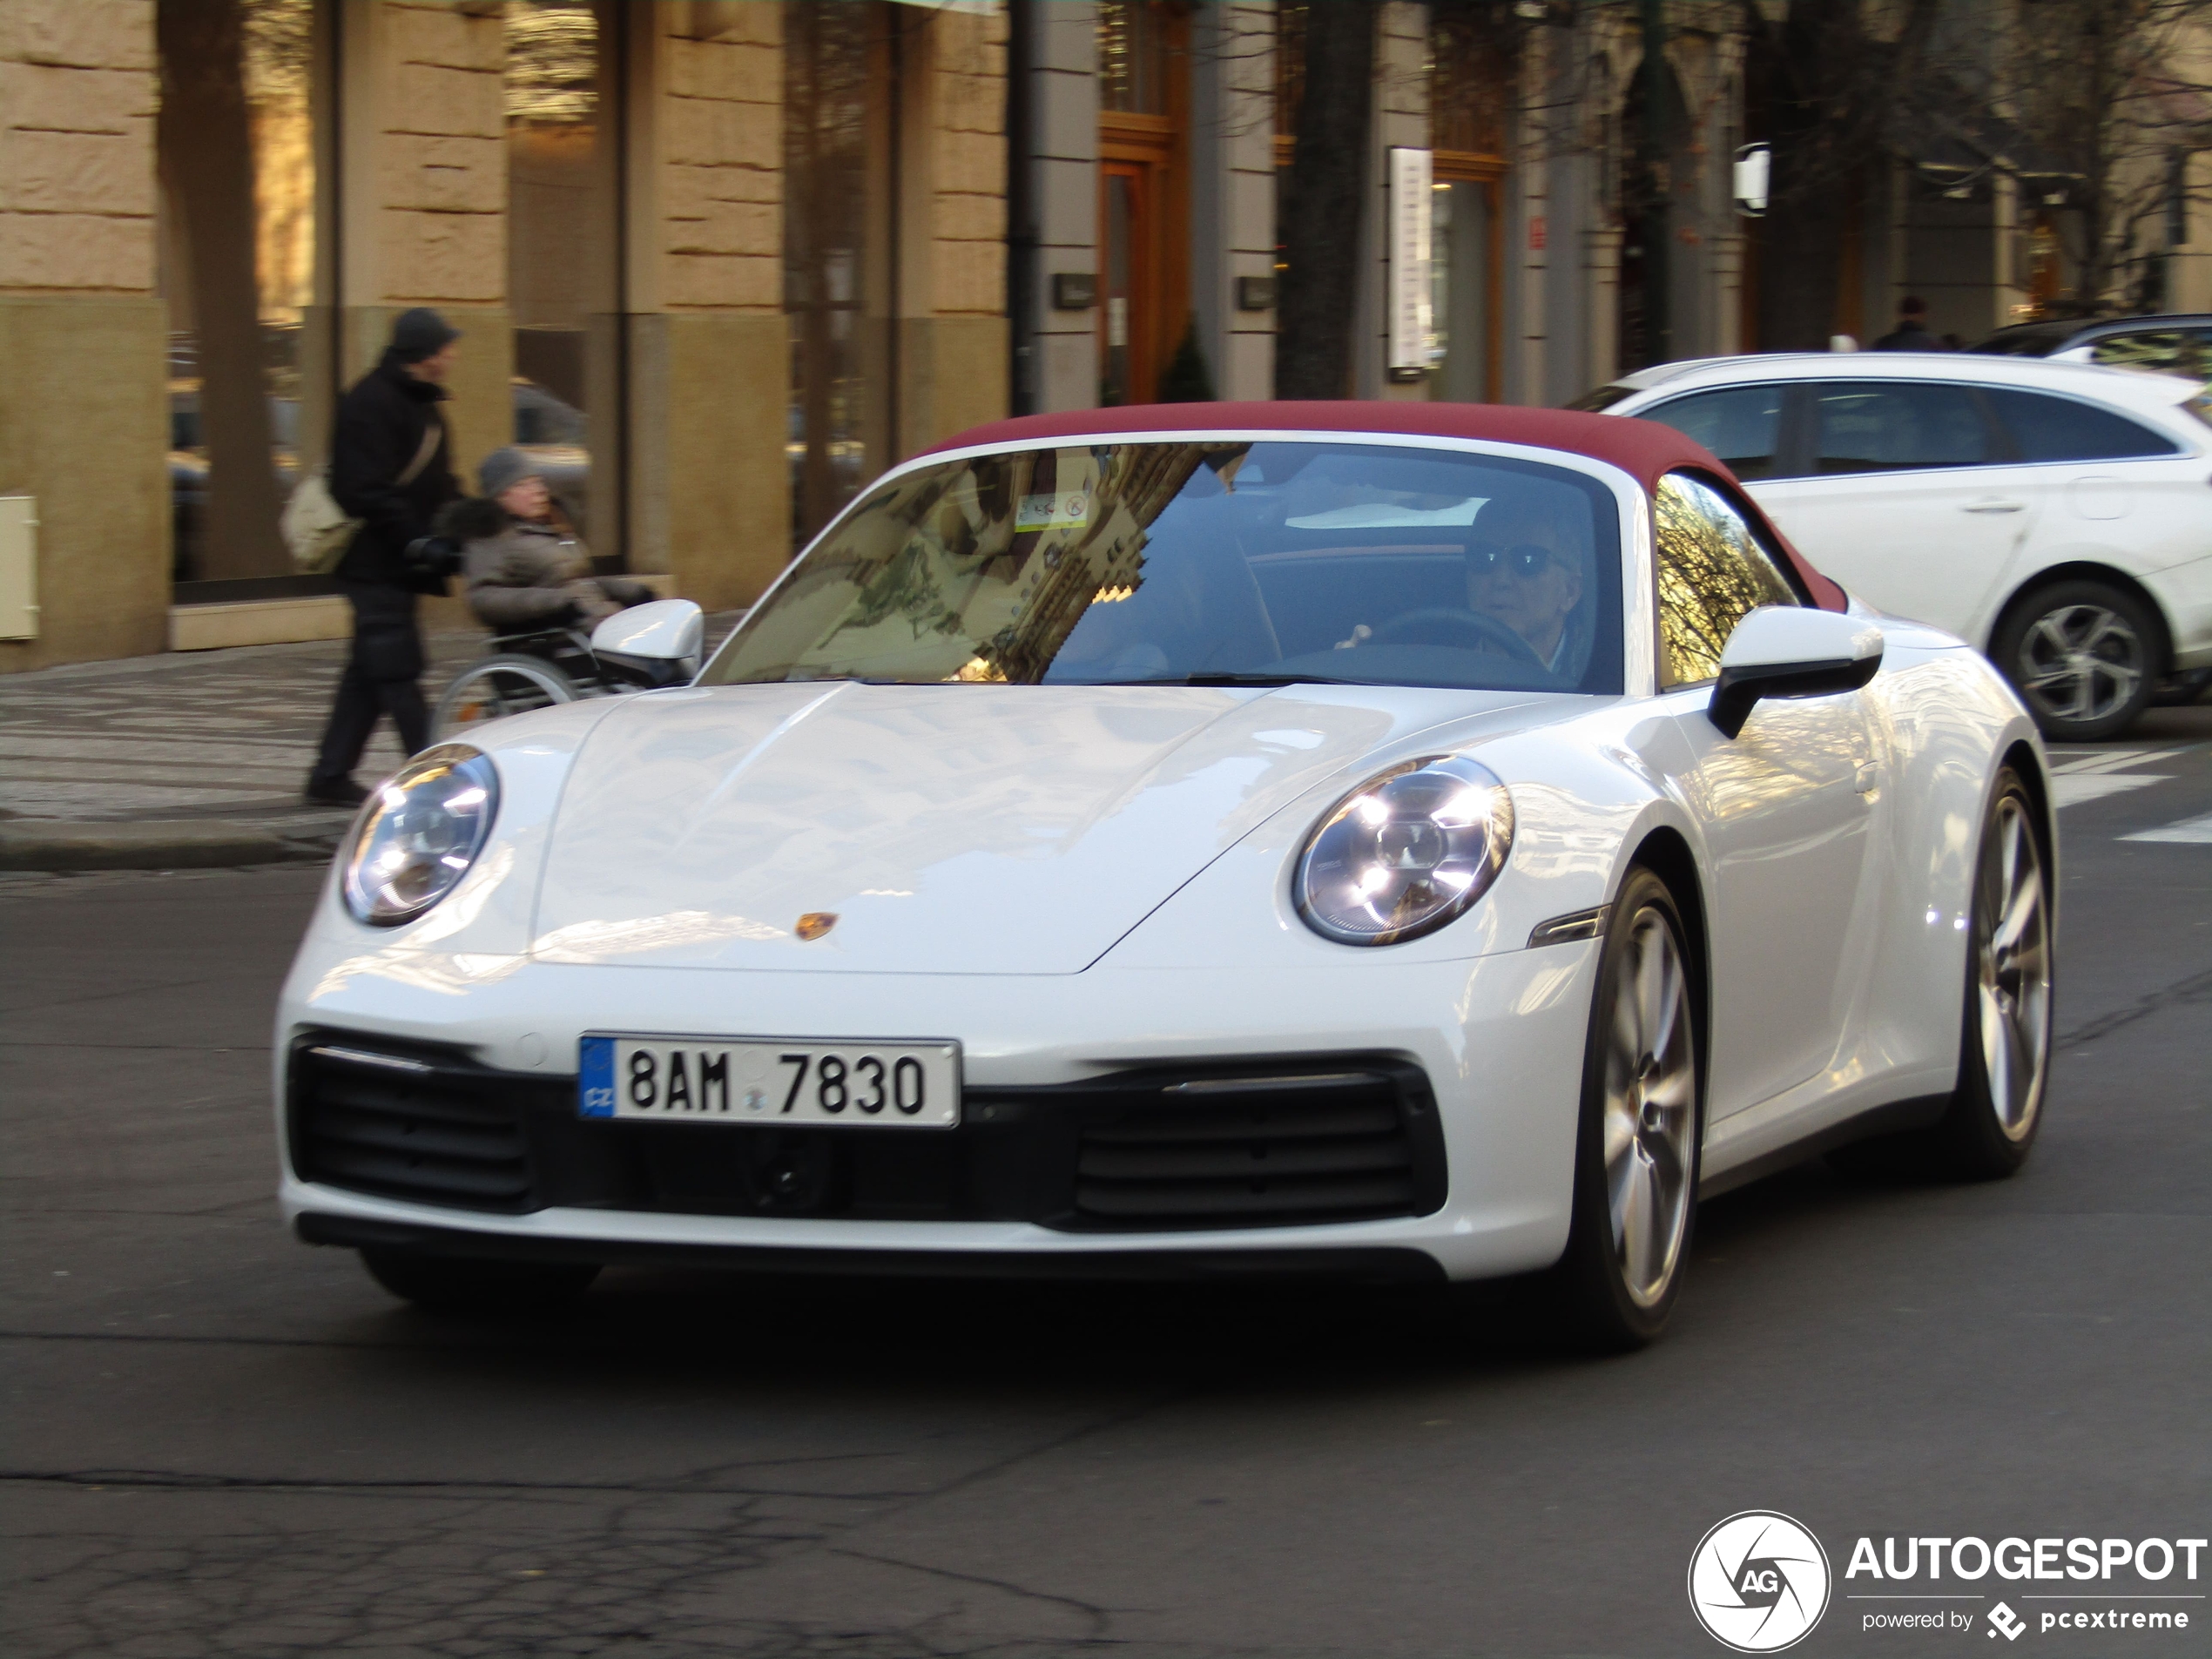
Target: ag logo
{"x": 1758, "y": 1582}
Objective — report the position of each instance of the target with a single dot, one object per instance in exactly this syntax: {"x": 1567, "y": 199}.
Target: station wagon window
{"x": 1712, "y": 572}
{"x": 1204, "y": 562}
{"x": 1742, "y": 425}
{"x": 1897, "y": 426}
{"x": 2059, "y": 429}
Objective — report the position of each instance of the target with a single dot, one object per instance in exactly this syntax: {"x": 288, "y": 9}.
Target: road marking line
{"x": 2075, "y": 762}
{"x": 2198, "y": 830}
{"x": 2072, "y": 790}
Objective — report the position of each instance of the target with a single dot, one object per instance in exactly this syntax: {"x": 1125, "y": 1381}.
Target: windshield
{"x": 1206, "y": 562}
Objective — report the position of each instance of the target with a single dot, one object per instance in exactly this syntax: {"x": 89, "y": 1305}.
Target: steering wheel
{"x": 1483, "y": 632}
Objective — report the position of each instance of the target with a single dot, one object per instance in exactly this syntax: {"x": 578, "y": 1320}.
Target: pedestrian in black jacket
{"x": 1911, "y": 331}
{"x": 391, "y": 467}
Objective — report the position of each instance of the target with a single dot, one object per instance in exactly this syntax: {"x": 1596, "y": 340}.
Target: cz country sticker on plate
{"x": 795, "y": 1081}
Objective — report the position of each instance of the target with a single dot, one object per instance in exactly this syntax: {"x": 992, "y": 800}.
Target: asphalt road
{"x": 221, "y": 1442}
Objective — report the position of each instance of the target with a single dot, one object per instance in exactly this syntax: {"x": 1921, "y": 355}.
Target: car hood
{"x": 947, "y": 828}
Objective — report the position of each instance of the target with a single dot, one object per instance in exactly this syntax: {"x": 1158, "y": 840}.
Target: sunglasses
{"x": 1524, "y": 559}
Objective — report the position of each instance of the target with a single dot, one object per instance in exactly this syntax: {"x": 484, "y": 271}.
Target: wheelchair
{"x": 535, "y": 670}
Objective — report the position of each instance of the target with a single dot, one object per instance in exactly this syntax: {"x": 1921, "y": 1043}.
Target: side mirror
{"x": 1782, "y": 650}
{"x": 659, "y": 643}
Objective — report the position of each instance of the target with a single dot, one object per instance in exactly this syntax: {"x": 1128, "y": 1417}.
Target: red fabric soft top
{"x": 1644, "y": 450}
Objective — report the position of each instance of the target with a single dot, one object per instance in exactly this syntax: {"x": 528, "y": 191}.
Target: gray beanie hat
{"x": 421, "y": 332}
{"x": 504, "y": 468}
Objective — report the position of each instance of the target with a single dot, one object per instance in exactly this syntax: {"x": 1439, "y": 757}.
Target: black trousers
{"x": 382, "y": 674}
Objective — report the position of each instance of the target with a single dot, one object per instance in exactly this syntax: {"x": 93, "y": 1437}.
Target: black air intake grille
{"x": 1258, "y": 1151}
{"x": 408, "y": 1128}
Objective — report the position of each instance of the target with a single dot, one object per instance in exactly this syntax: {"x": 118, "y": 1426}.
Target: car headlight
{"x": 1404, "y": 853}
{"x": 419, "y": 833}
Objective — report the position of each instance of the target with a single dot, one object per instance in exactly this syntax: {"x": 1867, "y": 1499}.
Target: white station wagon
{"x": 2055, "y": 515}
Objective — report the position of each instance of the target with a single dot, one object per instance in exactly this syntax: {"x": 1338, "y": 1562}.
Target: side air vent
{"x": 1263, "y": 1151}
{"x": 408, "y": 1128}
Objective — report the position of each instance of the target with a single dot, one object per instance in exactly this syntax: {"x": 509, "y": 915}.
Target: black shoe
{"x": 333, "y": 792}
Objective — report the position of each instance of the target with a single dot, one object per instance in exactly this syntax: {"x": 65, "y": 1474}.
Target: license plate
{"x": 702, "y": 1080}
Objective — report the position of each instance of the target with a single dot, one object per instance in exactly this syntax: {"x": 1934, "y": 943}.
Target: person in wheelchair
{"x": 527, "y": 569}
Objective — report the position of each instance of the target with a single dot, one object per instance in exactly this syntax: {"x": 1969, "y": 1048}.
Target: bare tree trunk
{"x": 206, "y": 159}
{"x": 1317, "y": 309}
{"x": 1800, "y": 264}
{"x": 1835, "y": 89}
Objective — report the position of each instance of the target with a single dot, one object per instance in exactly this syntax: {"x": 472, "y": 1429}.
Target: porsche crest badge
{"x": 815, "y": 923}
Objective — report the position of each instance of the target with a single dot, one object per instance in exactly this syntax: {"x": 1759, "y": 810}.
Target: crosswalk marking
{"x": 2091, "y": 774}
{"x": 2197, "y": 829}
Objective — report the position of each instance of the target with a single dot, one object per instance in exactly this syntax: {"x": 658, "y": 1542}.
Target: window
{"x": 2058, "y": 429}
{"x": 1604, "y": 397}
{"x": 1742, "y": 425}
{"x": 236, "y": 264}
{"x": 2174, "y": 351}
{"x": 837, "y": 140}
{"x": 1150, "y": 563}
{"x": 1143, "y": 194}
{"x": 561, "y": 277}
{"x": 1712, "y": 573}
{"x": 1897, "y": 426}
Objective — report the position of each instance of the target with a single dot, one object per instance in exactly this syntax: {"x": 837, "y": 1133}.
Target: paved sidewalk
{"x": 191, "y": 758}
{"x": 218, "y": 734}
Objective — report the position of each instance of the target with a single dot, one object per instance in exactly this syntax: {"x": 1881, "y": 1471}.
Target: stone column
{"x": 952, "y": 347}
{"x": 1400, "y": 117}
{"x": 1063, "y": 185}
{"x": 1232, "y": 190}
{"x": 710, "y": 360}
{"x": 83, "y": 405}
{"x": 422, "y": 147}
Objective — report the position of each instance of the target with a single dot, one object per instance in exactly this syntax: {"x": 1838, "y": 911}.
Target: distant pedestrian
{"x": 391, "y": 467}
{"x": 1911, "y": 331}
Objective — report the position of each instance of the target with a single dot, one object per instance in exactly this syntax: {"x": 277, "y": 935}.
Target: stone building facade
{"x": 722, "y": 261}
{"x": 600, "y": 195}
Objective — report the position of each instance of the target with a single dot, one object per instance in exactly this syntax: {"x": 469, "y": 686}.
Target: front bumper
{"x": 1483, "y": 1060}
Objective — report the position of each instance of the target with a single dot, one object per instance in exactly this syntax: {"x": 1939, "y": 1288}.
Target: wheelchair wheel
{"x": 497, "y": 687}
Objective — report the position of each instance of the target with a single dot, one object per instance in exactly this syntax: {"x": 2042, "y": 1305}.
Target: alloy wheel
{"x": 2081, "y": 662}
{"x": 2012, "y": 968}
{"x": 1650, "y": 1109}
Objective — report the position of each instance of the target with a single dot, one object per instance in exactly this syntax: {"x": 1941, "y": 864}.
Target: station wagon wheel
{"x": 2082, "y": 657}
{"x": 497, "y": 687}
{"x": 1636, "y": 1159}
{"x": 2005, "y": 1044}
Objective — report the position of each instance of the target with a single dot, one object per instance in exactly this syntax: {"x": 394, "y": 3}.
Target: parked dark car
{"x": 2180, "y": 344}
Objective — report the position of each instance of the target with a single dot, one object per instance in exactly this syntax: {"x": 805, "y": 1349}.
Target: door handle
{"x": 1994, "y": 504}
{"x": 1868, "y": 777}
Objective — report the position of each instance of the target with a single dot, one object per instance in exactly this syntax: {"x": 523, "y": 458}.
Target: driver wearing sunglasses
{"x": 1522, "y": 572}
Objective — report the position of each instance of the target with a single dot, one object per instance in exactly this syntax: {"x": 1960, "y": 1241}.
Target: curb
{"x": 172, "y": 844}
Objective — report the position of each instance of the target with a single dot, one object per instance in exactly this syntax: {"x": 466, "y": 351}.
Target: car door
{"x": 2118, "y": 492}
{"x": 1910, "y": 498}
{"x": 1785, "y": 807}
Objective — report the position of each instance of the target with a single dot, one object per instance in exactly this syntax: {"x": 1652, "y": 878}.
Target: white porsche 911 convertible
{"x": 1404, "y": 840}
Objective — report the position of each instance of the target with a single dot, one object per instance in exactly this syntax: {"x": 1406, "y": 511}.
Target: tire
{"x": 1989, "y": 1126}
{"x": 2083, "y": 656}
{"x": 495, "y": 688}
{"x": 464, "y": 1285}
{"x": 1636, "y": 1146}
{"x": 2005, "y": 1036}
